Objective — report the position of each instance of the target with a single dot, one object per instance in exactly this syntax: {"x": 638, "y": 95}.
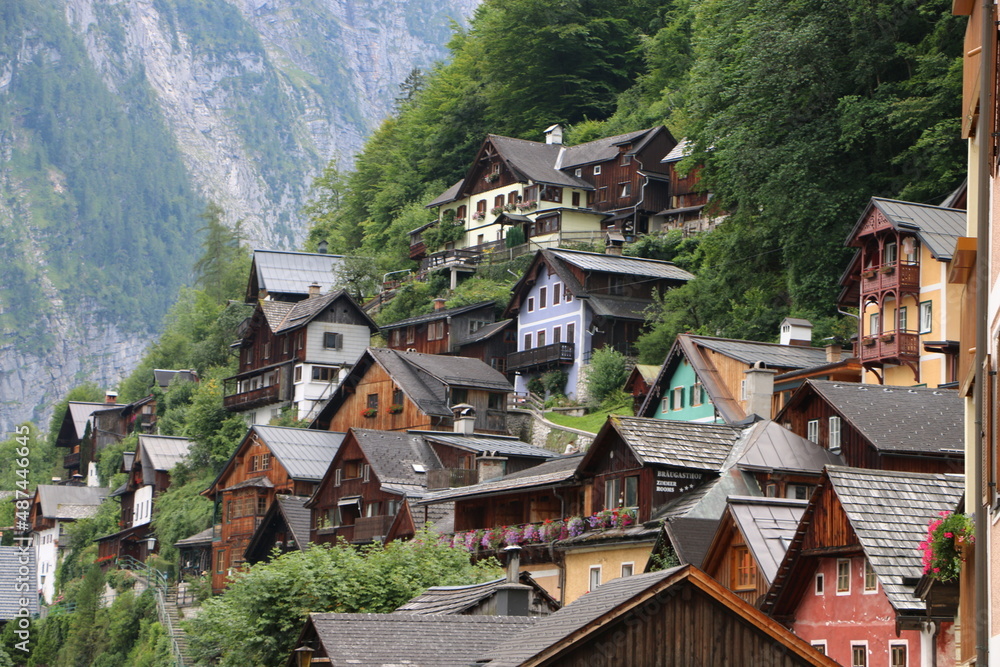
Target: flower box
{"x": 492, "y": 178}
{"x": 369, "y": 412}
{"x": 395, "y": 409}
{"x": 887, "y": 270}
{"x": 870, "y": 273}
{"x": 479, "y": 215}
{"x": 496, "y": 210}
{"x": 868, "y": 342}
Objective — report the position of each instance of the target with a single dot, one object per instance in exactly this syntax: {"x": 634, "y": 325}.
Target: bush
{"x": 554, "y": 382}
{"x": 607, "y": 374}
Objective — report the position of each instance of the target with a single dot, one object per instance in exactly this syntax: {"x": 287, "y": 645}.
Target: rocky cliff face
{"x": 250, "y": 99}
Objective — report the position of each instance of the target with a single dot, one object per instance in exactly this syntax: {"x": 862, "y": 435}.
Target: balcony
{"x": 450, "y": 478}
{"x": 254, "y": 398}
{"x": 372, "y": 528}
{"x": 71, "y": 461}
{"x": 901, "y": 278}
{"x": 417, "y": 250}
{"x": 888, "y": 347}
{"x": 547, "y": 355}
{"x": 449, "y": 258}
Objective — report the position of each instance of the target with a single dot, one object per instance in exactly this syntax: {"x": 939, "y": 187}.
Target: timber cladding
{"x": 378, "y": 383}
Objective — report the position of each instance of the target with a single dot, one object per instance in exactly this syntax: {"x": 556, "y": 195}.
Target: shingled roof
{"x": 395, "y": 458}
{"x": 504, "y": 445}
{"x": 417, "y": 640}
{"x": 554, "y": 471}
{"x": 459, "y": 599}
{"x": 896, "y": 419}
{"x": 12, "y": 559}
{"x": 70, "y": 502}
{"x": 443, "y": 313}
{"x": 676, "y": 443}
{"x": 936, "y": 227}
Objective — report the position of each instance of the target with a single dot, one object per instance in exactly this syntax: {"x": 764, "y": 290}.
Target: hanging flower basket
{"x": 943, "y": 549}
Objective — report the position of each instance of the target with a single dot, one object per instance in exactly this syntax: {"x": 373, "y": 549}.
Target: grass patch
{"x": 591, "y": 422}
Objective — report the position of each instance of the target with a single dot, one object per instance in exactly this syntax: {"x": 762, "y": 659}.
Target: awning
{"x": 350, "y": 500}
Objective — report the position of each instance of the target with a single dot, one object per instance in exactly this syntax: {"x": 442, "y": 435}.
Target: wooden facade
{"x": 515, "y": 508}
{"x": 441, "y": 332}
{"x": 731, "y": 563}
{"x": 377, "y": 382}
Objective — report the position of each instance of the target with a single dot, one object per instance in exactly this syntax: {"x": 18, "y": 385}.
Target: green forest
{"x": 799, "y": 111}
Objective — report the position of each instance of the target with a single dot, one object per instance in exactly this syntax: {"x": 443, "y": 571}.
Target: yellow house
{"x": 909, "y": 314}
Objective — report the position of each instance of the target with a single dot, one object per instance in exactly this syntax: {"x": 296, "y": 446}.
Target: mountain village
{"x": 803, "y": 502}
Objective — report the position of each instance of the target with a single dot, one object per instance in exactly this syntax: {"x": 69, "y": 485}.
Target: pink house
{"x": 847, "y": 583}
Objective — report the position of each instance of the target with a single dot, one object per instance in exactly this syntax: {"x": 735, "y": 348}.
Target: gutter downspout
{"x": 981, "y": 597}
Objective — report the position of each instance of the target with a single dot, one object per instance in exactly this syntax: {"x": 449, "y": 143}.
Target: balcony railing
{"x": 905, "y": 277}
{"x": 372, "y": 528}
{"x": 889, "y": 345}
{"x": 450, "y": 478}
{"x": 253, "y": 398}
{"x": 446, "y": 258}
{"x": 557, "y": 353}
{"x": 71, "y": 461}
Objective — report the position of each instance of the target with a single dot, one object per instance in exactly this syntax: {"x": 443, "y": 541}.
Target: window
{"x": 410, "y": 334}
{"x": 543, "y": 295}
{"x": 324, "y": 373}
{"x": 902, "y": 319}
{"x": 512, "y": 197}
{"x": 459, "y": 395}
{"x": 873, "y": 324}
{"x": 267, "y": 350}
{"x": 595, "y": 577}
{"x": 397, "y": 396}
{"x": 812, "y": 430}
{"x": 628, "y": 569}
{"x": 571, "y": 332}
{"x": 498, "y": 201}
{"x": 696, "y": 394}
{"x": 220, "y": 561}
{"x": 602, "y": 194}
{"x": 578, "y": 172}
{"x": 374, "y": 508}
{"x": 743, "y": 390}
{"x": 843, "y": 576}
{"x": 333, "y": 514}
{"x": 540, "y": 335}
{"x": 531, "y": 304}
{"x": 261, "y": 505}
{"x": 284, "y": 345}
{"x": 616, "y": 285}
{"x": 665, "y": 404}
{"x": 435, "y": 330}
{"x": 818, "y": 589}
{"x": 819, "y": 645}
{"x": 460, "y": 213}
{"x": 352, "y": 469}
{"x": 871, "y": 581}
{"x": 744, "y": 569}
{"x": 338, "y": 474}
{"x": 621, "y": 492}
{"x": 677, "y": 398}
{"x": 597, "y": 170}
{"x": 568, "y": 295}
{"x": 551, "y": 193}
{"x": 859, "y": 655}
{"x": 834, "y": 443}
{"x": 889, "y": 253}
{"x": 372, "y": 401}
{"x": 771, "y": 490}
{"x": 297, "y": 375}
{"x": 625, "y": 190}
{"x": 576, "y": 199}
{"x": 302, "y": 340}
{"x": 556, "y": 293}
{"x": 527, "y": 341}
{"x": 366, "y": 472}
{"x": 481, "y": 206}
{"x": 626, "y": 159}
{"x": 910, "y": 249}
{"x": 496, "y": 401}
{"x": 897, "y": 655}
{"x": 926, "y": 311}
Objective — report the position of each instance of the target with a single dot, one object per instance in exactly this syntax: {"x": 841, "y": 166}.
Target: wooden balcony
{"x": 450, "y": 478}
{"x": 901, "y": 278}
{"x": 449, "y": 258}
{"x": 372, "y": 528}
{"x": 889, "y": 347}
{"x": 547, "y": 355}
{"x": 418, "y": 250}
{"x": 254, "y": 398}
{"x": 71, "y": 461}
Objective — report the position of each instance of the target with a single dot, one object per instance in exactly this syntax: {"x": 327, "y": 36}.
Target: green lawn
{"x": 591, "y": 422}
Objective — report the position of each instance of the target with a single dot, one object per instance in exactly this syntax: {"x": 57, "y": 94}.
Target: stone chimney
{"x": 314, "y": 290}
{"x": 111, "y": 397}
{"x": 464, "y": 416}
{"x": 614, "y": 241}
{"x": 796, "y": 331}
{"x": 833, "y": 352}
{"x": 554, "y": 134}
{"x": 490, "y": 466}
{"x": 513, "y": 597}
{"x": 439, "y": 303}
{"x": 262, "y": 294}
{"x": 759, "y": 390}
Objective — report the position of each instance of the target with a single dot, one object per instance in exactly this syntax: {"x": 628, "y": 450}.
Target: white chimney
{"x": 464, "y": 416}
{"x": 554, "y": 134}
{"x": 111, "y": 397}
{"x": 759, "y": 390}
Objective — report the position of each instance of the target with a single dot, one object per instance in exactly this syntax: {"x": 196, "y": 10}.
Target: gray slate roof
{"x": 297, "y": 517}
{"x": 10, "y": 597}
{"x": 457, "y": 599}
{"x": 392, "y": 456}
{"x": 889, "y": 512}
{"x": 600, "y": 150}
{"x": 571, "y": 618}
{"x": 622, "y": 264}
{"x": 163, "y": 377}
{"x": 283, "y": 316}
{"x": 444, "y": 313}
{"x": 772, "y": 354}
{"x": 80, "y": 412}
{"x": 202, "y": 538}
{"x": 304, "y": 453}
{"x": 451, "y": 194}
{"x": 551, "y": 472}
{"x": 773, "y": 447}
{"x": 768, "y": 526}
{"x": 415, "y": 640}
{"x": 292, "y": 272}
{"x": 536, "y": 161}
{"x": 690, "y": 537}
{"x": 899, "y": 419}
{"x": 503, "y": 445}
{"x": 678, "y": 152}
{"x": 485, "y": 332}
{"x": 679, "y": 444}
{"x": 936, "y": 227}
{"x": 162, "y": 452}
{"x": 70, "y": 502}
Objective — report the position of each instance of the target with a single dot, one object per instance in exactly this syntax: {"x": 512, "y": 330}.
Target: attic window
{"x": 419, "y": 467}
{"x": 597, "y": 170}
{"x": 578, "y": 172}
{"x": 626, "y": 159}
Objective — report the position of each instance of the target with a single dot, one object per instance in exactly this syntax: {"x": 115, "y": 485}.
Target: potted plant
{"x": 369, "y": 412}
{"x": 492, "y": 177}
{"x": 395, "y": 409}
{"x": 479, "y": 215}
{"x": 510, "y": 208}
{"x": 943, "y": 549}
{"x": 496, "y": 210}
{"x": 887, "y": 270}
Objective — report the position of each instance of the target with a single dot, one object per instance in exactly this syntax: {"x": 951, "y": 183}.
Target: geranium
{"x": 531, "y": 533}
{"x": 941, "y": 551}
{"x": 550, "y": 530}
{"x": 369, "y": 412}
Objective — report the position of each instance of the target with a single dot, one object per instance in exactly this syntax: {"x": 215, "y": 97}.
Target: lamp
{"x": 150, "y": 543}
{"x": 303, "y": 655}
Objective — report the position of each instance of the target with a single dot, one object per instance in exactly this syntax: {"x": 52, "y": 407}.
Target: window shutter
{"x": 336, "y": 477}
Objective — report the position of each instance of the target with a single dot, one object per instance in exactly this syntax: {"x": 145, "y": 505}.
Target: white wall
{"x": 142, "y": 507}
{"x": 47, "y": 557}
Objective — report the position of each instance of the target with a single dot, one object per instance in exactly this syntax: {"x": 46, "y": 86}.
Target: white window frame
{"x": 743, "y": 390}
{"x": 631, "y": 569}
{"x": 819, "y": 584}
{"x": 906, "y": 647}
{"x": 819, "y": 645}
{"x": 557, "y": 289}
{"x": 901, "y": 316}
{"x": 850, "y": 572}
{"x": 834, "y": 432}
{"x": 590, "y": 581}
{"x": 578, "y": 172}
{"x": 874, "y": 324}
{"x": 812, "y": 431}
{"x": 531, "y": 304}
{"x": 859, "y": 644}
{"x": 864, "y": 578}
{"x": 597, "y": 170}
{"x": 543, "y": 297}
{"x": 926, "y": 317}
{"x": 665, "y": 404}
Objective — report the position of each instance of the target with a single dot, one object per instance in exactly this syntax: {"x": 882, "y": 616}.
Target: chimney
{"x": 439, "y": 303}
{"x": 554, "y": 134}
{"x": 513, "y": 597}
{"x": 759, "y": 390}
{"x": 262, "y": 294}
{"x": 111, "y": 397}
{"x": 614, "y": 241}
{"x": 314, "y": 290}
{"x": 796, "y": 331}
{"x": 464, "y": 417}
{"x": 56, "y": 480}
{"x": 322, "y": 247}
{"x": 833, "y": 352}
{"x": 490, "y": 466}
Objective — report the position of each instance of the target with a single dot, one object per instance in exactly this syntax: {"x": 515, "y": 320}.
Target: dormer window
{"x": 626, "y": 159}
{"x": 578, "y": 172}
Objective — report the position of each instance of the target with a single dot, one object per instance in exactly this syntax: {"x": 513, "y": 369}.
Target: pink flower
{"x": 937, "y": 569}
{"x": 949, "y": 535}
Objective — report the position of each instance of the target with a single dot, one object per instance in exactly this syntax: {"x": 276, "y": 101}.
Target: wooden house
{"x": 285, "y": 525}
{"x": 53, "y": 507}
{"x": 674, "y": 617}
{"x": 847, "y": 582}
{"x": 195, "y": 554}
{"x": 164, "y": 377}
{"x": 388, "y": 390}
{"x": 710, "y": 379}
{"x": 551, "y": 192}
{"x": 640, "y": 379}
{"x": 691, "y": 208}
{"x": 441, "y": 331}
{"x": 148, "y": 473}
{"x": 478, "y": 599}
{"x": 283, "y": 275}
{"x": 569, "y": 303}
{"x": 750, "y": 543}
{"x": 293, "y": 354}
{"x": 881, "y": 427}
{"x": 270, "y": 460}
{"x": 492, "y": 345}
{"x": 898, "y": 279}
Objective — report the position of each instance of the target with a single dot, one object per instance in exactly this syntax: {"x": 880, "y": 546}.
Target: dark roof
{"x": 444, "y": 313}
{"x": 898, "y": 419}
{"x": 536, "y": 161}
{"x": 504, "y": 445}
{"x": 305, "y": 454}
{"x": 449, "y": 195}
{"x": 302, "y": 312}
{"x": 297, "y": 517}
{"x": 12, "y": 559}
{"x": 70, "y": 502}
{"x": 198, "y": 539}
{"x": 457, "y": 599}
{"x": 773, "y": 447}
{"x": 163, "y": 377}
{"x": 486, "y": 331}
{"x": 552, "y": 472}
{"x": 417, "y": 640}
{"x": 768, "y": 526}
{"x": 690, "y": 537}
{"x": 676, "y": 443}
{"x": 602, "y": 149}
{"x": 80, "y": 412}
{"x": 395, "y": 457}
{"x": 285, "y": 272}
{"x": 774, "y": 355}
{"x": 935, "y": 226}
{"x": 621, "y": 264}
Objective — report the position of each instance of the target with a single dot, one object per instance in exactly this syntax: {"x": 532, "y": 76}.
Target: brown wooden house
{"x": 270, "y": 460}
{"x": 87, "y": 428}
{"x": 847, "y": 583}
{"x": 691, "y": 208}
{"x": 881, "y": 427}
{"x": 389, "y": 390}
{"x": 285, "y": 526}
{"x": 148, "y": 473}
{"x": 441, "y": 331}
